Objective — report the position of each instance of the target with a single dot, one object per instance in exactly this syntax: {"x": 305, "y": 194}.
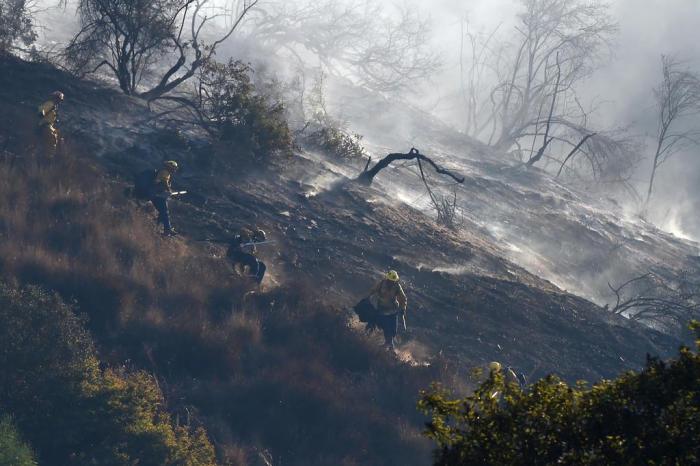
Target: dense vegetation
{"x": 71, "y": 410}
{"x": 650, "y": 417}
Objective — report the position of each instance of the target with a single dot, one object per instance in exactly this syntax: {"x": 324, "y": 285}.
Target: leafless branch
{"x": 574, "y": 150}
{"x": 130, "y": 37}
{"x": 367, "y": 176}
{"x": 677, "y": 97}
{"x": 578, "y": 32}
{"x": 650, "y": 298}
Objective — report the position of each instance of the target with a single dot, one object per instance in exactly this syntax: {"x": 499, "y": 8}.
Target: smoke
{"x": 621, "y": 88}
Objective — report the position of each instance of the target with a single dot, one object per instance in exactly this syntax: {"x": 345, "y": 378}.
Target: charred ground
{"x": 284, "y": 372}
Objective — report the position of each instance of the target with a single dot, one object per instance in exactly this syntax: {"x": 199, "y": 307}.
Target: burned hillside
{"x": 251, "y": 368}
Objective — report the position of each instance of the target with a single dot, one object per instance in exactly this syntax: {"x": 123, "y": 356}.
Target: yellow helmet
{"x": 495, "y": 366}
{"x": 259, "y": 235}
{"x": 392, "y": 276}
{"x": 170, "y": 165}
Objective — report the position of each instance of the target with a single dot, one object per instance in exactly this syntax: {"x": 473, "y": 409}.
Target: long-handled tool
{"x": 256, "y": 243}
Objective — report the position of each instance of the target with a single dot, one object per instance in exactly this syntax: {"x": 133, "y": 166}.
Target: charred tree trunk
{"x": 367, "y": 176}
{"x": 546, "y": 141}
{"x": 574, "y": 150}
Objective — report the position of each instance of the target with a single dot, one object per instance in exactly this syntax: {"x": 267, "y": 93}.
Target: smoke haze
{"x": 622, "y": 87}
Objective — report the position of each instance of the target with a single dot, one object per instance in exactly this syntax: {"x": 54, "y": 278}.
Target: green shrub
{"x": 236, "y": 112}
{"x": 324, "y": 132}
{"x": 13, "y": 452}
{"x": 651, "y": 417}
{"x": 336, "y": 142}
{"x": 72, "y": 411}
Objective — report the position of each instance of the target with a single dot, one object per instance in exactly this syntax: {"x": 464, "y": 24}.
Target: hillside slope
{"x": 578, "y": 239}
{"x": 342, "y": 238}
{"x": 281, "y": 370}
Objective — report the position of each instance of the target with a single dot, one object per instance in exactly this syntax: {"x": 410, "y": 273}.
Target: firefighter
{"x": 242, "y": 251}
{"x": 390, "y": 302}
{"x": 48, "y": 120}
{"x": 161, "y": 192}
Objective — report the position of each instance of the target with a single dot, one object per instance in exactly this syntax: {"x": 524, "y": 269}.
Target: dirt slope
{"x": 341, "y": 236}
{"x": 579, "y": 239}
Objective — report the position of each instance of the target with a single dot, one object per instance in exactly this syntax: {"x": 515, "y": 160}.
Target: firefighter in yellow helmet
{"x": 389, "y": 300}
{"x": 242, "y": 251}
{"x": 161, "y": 192}
{"x": 48, "y": 119}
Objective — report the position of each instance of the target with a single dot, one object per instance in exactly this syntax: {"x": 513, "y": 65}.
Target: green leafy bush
{"x": 236, "y": 112}
{"x": 336, "y": 142}
{"x": 72, "y": 411}
{"x": 651, "y": 417}
{"x": 13, "y": 452}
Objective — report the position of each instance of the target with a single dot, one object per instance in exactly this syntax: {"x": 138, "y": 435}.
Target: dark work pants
{"x": 389, "y": 324}
{"x": 257, "y": 268}
{"x": 161, "y": 205}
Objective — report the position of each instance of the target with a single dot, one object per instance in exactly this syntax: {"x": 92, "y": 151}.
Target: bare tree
{"x": 651, "y": 299}
{"x": 472, "y": 77}
{"x": 677, "y": 96}
{"x": 133, "y": 37}
{"x": 361, "y": 40}
{"x": 533, "y": 89}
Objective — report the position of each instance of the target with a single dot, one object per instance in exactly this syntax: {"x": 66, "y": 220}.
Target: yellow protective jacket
{"x": 389, "y": 296}
{"x": 48, "y": 113}
{"x": 163, "y": 180}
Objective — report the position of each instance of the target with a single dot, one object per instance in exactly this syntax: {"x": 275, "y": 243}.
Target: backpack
{"x": 234, "y": 246}
{"x": 365, "y": 311}
{"x": 143, "y": 184}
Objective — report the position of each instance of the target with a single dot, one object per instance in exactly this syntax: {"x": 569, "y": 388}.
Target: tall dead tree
{"x": 677, "y": 97}
{"x": 520, "y": 67}
{"x": 473, "y": 75}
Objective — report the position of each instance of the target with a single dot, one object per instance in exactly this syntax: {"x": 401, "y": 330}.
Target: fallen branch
{"x": 367, "y": 176}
